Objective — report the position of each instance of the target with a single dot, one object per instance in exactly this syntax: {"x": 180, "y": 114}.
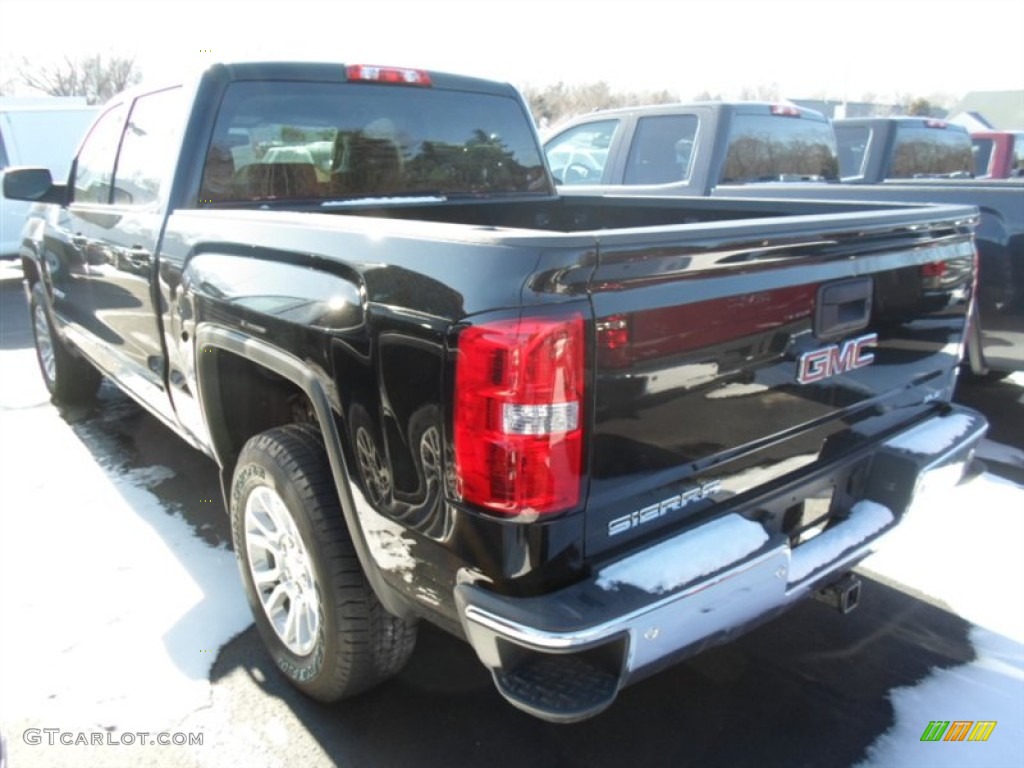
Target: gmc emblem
{"x": 835, "y": 359}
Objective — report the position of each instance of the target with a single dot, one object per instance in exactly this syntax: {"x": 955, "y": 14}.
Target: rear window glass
{"x": 779, "y": 148}
{"x": 930, "y": 152}
{"x": 302, "y": 141}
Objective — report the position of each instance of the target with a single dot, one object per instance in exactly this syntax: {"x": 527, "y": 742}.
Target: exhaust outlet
{"x": 843, "y": 595}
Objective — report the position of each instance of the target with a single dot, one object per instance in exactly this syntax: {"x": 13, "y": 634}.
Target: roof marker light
{"x": 366, "y": 73}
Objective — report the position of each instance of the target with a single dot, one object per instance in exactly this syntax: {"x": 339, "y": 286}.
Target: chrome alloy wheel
{"x": 281, "y": 571}
{"x": 44, "y": 342}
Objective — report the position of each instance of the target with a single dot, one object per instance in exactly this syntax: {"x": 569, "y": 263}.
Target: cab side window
{"x": 579, "y": 155}
{"x": 94, "y": 169}
{"x": 662, "y": 150}
{"x": 148, "y": 143}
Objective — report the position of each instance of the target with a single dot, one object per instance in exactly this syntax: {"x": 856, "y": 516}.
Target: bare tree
{"x": 558, "y": 102}
{"x": 920, "y": 106}
{"x": 95, "y": 78}
{"x": 7, "y": 82}
{"x": 707, "y": 95}
{"x": 762, "y": 92}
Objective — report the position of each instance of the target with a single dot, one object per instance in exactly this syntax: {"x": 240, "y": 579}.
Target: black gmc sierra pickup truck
{"x": 589, "y": 435}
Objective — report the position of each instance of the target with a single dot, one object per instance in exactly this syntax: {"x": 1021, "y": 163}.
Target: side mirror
{"x": 34, "y": 185}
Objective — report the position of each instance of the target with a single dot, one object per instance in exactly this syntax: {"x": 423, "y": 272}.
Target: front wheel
{"x": 317, "y": 614}
{"x": 68, "y": 378}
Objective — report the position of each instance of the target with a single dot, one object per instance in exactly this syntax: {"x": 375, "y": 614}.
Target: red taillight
{"x": 933, "y": 269}
{"x": 518, "y": 414}
{"x": 785, "y": 110}
{"x": 394, "y": 75}
{"x": 935, "y": 124}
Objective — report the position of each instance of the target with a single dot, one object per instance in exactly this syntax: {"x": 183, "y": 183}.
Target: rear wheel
{"x": 68, "y": 378}
{"x": 317, "y": 614}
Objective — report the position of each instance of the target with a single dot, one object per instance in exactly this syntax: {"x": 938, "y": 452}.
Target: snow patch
{"x": 121, "y": 608}
{"x": 990, "y": 688}
{"x": 21, "y": 385}
{"x": 866, "y": 518}
{"x": 388, "y": 541}
{"x": 687, "y": 557}
{"x": 962, "y": 547}
{"x": 933, "y": 436}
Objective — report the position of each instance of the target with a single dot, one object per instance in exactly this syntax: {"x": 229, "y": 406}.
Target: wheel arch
{"x": 213, "y": 342}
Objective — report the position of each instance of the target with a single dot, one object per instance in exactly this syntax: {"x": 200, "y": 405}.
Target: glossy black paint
{"x": 236, "y": 321}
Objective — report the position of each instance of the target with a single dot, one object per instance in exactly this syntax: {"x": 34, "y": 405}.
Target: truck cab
{"x": 877, "y": 149}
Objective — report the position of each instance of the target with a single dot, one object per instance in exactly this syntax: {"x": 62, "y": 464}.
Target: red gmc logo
{"x": 835, "y": 359}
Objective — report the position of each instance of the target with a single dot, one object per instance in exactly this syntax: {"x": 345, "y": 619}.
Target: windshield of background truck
{"x": 302, "y": 141}
{"x": 922, "y": 152}
{"x": 764, "y": 147}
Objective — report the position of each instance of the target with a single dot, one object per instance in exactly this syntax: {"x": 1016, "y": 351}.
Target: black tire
{"x": 68, "y": 378}
{"x": 355, "y": 643}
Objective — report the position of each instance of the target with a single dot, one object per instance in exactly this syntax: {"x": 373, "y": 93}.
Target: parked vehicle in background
{"x": 877, "y": 149}
{"x": 42, "y": 132}
{"x": 693, "y": 148}
{"x": 590, "y": 435}
{"x": 998, "y": 154}
{"x": 723, "y": 149}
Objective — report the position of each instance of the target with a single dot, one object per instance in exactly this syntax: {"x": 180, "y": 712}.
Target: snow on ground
{"x": 113, "y": 610}
{"x": 963, "y": 548}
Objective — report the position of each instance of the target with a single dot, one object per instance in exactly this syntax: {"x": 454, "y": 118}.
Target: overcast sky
{"x": 806, "y": 47}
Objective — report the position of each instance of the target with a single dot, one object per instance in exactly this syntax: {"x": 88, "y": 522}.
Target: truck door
{"x": 114, "y": 224}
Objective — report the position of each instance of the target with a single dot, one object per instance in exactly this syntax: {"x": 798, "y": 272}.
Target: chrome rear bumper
{"x": 654, "y": 606}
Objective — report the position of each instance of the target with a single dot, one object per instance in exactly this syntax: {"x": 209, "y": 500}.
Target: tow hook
{"x": 843, "y": 595}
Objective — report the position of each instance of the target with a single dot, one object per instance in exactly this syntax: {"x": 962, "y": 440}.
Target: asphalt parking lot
{"x": 811, "y": 688}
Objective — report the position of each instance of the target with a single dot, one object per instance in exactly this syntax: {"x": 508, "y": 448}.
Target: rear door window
{"x": 147, "y": 146}
{"x": 662, "y": 150}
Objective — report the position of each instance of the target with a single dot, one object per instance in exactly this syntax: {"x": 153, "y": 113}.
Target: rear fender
{"x": 294, "y": 370}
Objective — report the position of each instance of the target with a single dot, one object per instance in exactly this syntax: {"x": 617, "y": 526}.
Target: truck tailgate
{"x": 725, "y": 365}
